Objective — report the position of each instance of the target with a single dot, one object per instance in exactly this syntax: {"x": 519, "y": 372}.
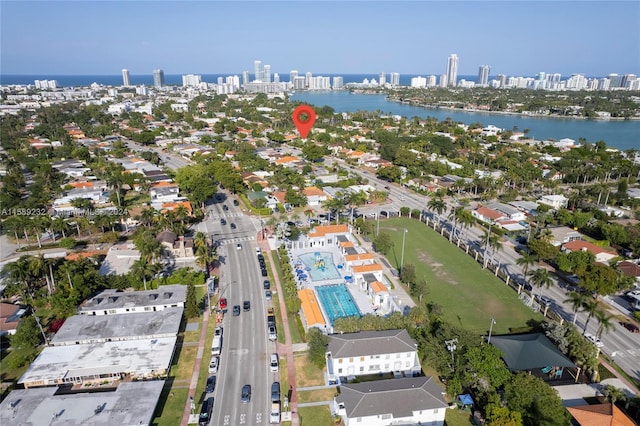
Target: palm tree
{"x": 335, "y": 205}
{"x": 465, "y": 218}
{"x": 438, "y": 205}
{"x": 604, "y": 323}
{"x": 525, "y": 261}
{"x": 540, "y": 277}
{"x": 142, "y": 269}
{"x": 200, "y": 240}
{"x": 591, "y": 307}
{"x": 577, "y": 301}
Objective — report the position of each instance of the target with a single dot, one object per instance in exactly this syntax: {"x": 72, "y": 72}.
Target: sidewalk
{"x": 196, "y": 367}
{"x": 287, "y": 347}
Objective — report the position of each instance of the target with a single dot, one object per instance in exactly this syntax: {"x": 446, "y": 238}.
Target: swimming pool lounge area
{"x": 319, "y": 266}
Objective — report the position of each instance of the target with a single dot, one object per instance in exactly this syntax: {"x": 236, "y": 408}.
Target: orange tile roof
{"x": 586, "y": 245}
{"x": 489, "y": 213}
{"x": 362, "y": 269}
{"x": 346, "y": 244}
{"x": 287, "y": 159}
{"x": 162, "y": 184}
{"x": 600, "y": 415}
{"x": 356, "y": 154}
{"x": 312, "y": 190}
{"x": 357, "y": 257}
{"x": 280, "y": 196}
{"x": 83, "y": 254}
{"x": 174, "y": 205}
{"x": 378, "y": 287}
{"x": 321, "y": 231}
{"x": 310, "y": 308}
{"x": 81, "y": 184}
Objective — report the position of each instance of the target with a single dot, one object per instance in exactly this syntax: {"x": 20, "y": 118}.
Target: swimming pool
{"x": 337, "y": 302}
{"x": 320, "y": 266}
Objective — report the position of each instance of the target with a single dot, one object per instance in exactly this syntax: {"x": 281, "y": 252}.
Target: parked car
{"x": 272, "y": 333}
{"x": 236, "y": 310}
{"x": 238, "y": 246}
{"x": 225, "y": 208}
{"x": 246, "y": 306}
{"x": 233, "y": 225}
{"x": 273, "y": 363}
{"x": 223, "y": 222}
{"x": 205, "y": 412}
{"x": 211, "y": 384}
{"x": 217, "y": 332}
{"x": 235, "y": 202}
{"x": 264, "y": 272}
{"x": 258, "y": 251}
{"x": 631, "y": 327}
{"x": 275, "y": 391}
{"x": 545, "y": 300}
{"x": 223, "y": 303}
{"x": 213, "y": 365}
{"x": 245, "y": 397}
{"x": 266, "y": 284}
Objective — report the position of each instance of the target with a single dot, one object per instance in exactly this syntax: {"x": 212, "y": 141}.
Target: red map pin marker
{"x": 304, "y": 126}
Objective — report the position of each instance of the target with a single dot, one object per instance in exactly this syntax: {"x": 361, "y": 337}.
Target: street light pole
{"x": 404, "y": 234}
{"x": 491, "y": 329}
{"x": 451, "y": 346}
{"x": 378, "y": 225}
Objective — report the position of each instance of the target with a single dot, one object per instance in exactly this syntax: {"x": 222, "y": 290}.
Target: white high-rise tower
{"x": 452, "y": 70}
{"x": 125, "y": 78}
{"x": 483, "y": 75}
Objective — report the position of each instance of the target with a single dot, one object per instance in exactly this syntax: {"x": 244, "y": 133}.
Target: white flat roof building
{"x": 131, "y": 404}
{"x": 141, "y": 358}
{"x": 112, "y": 301}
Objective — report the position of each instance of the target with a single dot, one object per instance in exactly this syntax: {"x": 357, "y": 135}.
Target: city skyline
{"x": 347, "y": 37}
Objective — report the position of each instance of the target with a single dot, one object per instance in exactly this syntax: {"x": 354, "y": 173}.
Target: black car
{"x": 223, "y": 222}
{"x": 205, "y": 413}
{"x": 236, "y": 310}
{"x": 275, "y": 391}
{"x": 246, "y": 305}
{"x": 266, "y": 285}
{"x": 211, "y": 384}
{"x": 264, "y": 272}
{"x": 225, "y": 208}
{"x": 246, "y": 394}
{"x": 233, "y": 226}
{"x": 235, "y": 202}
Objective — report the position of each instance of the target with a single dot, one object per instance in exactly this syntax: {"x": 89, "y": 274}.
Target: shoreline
{"x": 518, "y": 114}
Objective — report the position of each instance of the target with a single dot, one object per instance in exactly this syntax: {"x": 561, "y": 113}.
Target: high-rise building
{"x": 125, "y": 78}
{"x": 158, "y": 78}
{"x": 483, "y": 75}
{"x": 307, "y": 79}
{"x": 418, "y": 82}
{"x": 443, "y": 80}
{"x": 245, "y": 77}
{"x": 338, "y": 83}
{"x": 266, "y": 74}
{"x": 220, "y": 80}
{"x": 191, "y": 80}
{"x": 431, "y": 81}
{"x": 395, "y": 79}
{"x": 292, "y": 75}
{"x": 383, "y": 79}
{"x": 257, "y": 69}
{"x": 452, "y": 70}
{"x": 276, "y": 78}
{"x": 502, "y": 79}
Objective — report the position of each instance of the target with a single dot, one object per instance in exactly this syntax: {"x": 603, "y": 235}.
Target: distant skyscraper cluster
{"x": 46, "y": 84}
{"x": 262, "y": 73}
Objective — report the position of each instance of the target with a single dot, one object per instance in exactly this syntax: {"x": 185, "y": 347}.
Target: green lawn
{"x": 318, "y": 415}
{"x": 469, "y": 295}
{"x": 457, "y": 418}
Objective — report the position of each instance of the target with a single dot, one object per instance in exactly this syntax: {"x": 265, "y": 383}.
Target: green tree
{"x": 28, "y": 335}
{"x": 313, "y": 152}
{"x": 383, "y": 243}
{"x": 576, "y": 300}
{"x": 538, "y": 403}
{"x": 540, "y": 277}
{"x": 191, "y": 309}
{"x": 500, "y": 415}
{"x": 484, "y": 368}
{"x": 318, "y": 343}
{"x": 408, "y": 274}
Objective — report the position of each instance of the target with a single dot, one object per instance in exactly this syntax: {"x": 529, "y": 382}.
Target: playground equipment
{"x": 319, "y": 262}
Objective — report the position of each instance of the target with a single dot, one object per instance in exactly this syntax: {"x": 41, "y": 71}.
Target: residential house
{"x": 600, "y": 414}
{"x": 602, "y": 255}
{"x": 408, "y": 401}
{"x": 177, "y": 246}
{"x": 328, "y": 235}
{"x": 371, "y": 352}
{"x": 10, "y": 316}
{"x": 563, "y": 234}
{"x": 116, "y": 302}
{"x": 554, "y": 201}
{"x": 315, "y": 196}
{"x": 119, "y": 260}
{"x": 630, "y": 269}
{"x": 509, "y": 211}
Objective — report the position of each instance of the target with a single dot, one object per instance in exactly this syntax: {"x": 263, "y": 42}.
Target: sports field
{"x": 469, "y": 295}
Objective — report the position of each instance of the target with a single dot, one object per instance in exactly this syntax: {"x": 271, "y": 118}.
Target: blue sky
{"x": 414, "y": 37}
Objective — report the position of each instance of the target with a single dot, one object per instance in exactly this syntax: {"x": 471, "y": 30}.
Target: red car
{"x": 631, "y": 327}
{"x": 223, "y": 303}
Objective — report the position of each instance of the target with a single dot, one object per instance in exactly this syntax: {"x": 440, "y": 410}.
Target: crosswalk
{"x": 225, "y": 241}
{"x": 225, "y": 215}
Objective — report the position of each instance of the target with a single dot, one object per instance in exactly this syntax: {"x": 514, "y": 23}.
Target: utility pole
{"x": 491, "y": 329}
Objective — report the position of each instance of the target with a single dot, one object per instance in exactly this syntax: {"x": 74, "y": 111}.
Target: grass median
{"x": 469, "y": 296}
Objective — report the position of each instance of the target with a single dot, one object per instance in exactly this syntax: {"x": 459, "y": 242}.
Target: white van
{"x": 216, "y": 346}
{"x": 273, "y": 363}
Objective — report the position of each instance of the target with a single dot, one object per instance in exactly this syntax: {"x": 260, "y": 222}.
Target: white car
{"x": 217, "y": 331}
{"x": 593, "y": 339}
{"x": 213, "y": 365}
{"x": 238, "y": 246}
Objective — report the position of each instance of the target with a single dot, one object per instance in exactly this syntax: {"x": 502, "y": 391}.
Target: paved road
{"x": 245, "y": 349}
{"x": 619, "y": 344}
